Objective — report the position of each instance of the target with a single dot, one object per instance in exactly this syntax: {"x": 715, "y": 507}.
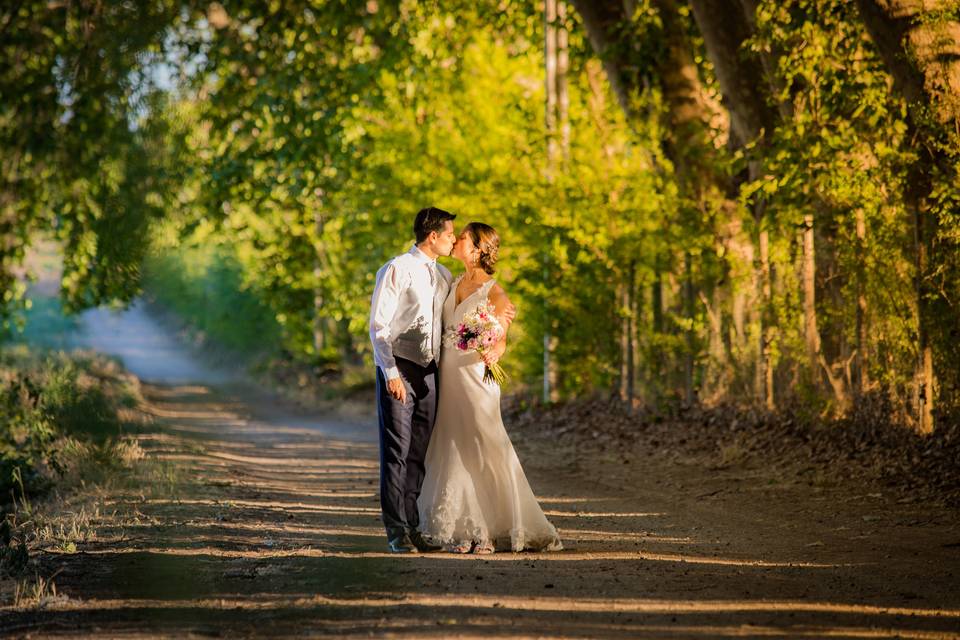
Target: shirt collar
{"x": 421, "y": 256}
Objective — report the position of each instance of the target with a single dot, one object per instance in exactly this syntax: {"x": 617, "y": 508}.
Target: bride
{"x": 475, "y": 496}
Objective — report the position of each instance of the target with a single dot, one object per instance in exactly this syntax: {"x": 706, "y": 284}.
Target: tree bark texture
{"x": 920, "y": 44}
{"x": 811, "y": 335}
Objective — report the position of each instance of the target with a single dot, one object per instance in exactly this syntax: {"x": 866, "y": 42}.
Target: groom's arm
{"x": 383, "y": 307}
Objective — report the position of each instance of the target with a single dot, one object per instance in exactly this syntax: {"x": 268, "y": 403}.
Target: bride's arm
{"x": 500, "y": 302}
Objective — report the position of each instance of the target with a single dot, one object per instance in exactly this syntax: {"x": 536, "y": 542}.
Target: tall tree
{"x": 726, "y": 28}
{"x": 557, "y": 124}
{"x": 690, "y": 139}
{"x": 920, "y": 43}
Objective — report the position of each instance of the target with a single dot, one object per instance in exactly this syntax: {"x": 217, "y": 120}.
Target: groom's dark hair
{"x": 428, "y": 220}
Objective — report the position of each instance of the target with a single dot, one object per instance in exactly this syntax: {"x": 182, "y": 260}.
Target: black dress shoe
{"x": 401, "y": 544}
{"x": 422, "y": 544}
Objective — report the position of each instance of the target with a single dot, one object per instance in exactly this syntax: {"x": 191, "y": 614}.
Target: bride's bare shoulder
{"x": 498, "y": 293}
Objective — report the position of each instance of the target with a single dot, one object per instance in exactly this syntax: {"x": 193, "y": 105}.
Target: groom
{"x": 406, "y": 328}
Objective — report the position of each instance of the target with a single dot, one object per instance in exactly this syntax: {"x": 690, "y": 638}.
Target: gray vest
{"x": 418, "y": 342}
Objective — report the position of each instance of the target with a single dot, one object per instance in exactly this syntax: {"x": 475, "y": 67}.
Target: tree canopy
{"x": 705, "y": 201}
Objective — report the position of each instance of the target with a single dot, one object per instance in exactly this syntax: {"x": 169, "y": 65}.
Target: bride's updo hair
{"x": 487, "y": 241}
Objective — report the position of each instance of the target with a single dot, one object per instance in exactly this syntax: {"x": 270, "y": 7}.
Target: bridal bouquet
{"x": 480, "y": 331}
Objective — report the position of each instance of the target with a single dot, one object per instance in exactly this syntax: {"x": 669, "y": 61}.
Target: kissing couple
{"x": 449, "y": 476}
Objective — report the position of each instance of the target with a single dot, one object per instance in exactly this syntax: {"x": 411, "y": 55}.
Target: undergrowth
{"x": 68, "y": 437}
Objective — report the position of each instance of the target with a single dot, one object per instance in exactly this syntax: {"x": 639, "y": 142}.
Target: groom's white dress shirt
{"x": 405, "y": 311}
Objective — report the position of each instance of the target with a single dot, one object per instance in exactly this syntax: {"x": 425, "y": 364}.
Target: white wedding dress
{"x": 475, "y": 488}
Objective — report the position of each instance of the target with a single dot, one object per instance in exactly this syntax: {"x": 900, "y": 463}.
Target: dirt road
{"x": 273, "y": 530}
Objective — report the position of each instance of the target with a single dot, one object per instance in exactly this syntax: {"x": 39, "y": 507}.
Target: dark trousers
{"x": 405, "y": 429}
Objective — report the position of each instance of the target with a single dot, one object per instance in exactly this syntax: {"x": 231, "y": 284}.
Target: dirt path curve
{"x": 274, "y": 530}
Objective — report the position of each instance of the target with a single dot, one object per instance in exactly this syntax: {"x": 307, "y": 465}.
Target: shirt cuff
{"x": 390, "y": 373}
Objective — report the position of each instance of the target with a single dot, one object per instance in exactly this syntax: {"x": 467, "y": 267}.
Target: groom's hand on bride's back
{"x": 510, "y": 312}
{"x": 397, "y": 389}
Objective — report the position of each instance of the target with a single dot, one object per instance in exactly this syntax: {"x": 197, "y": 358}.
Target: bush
{"x": 54, "y": 411}
{"x": 204, "y": 287}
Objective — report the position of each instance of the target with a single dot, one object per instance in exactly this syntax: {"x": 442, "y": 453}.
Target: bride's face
{"x": 464, "y": 250}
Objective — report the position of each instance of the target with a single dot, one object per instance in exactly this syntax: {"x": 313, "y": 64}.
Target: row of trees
{"x": 831, "y": 199}
{"x": 77, "y": 159}
{"x": 699, "y": 201}
{"x": 312, "y": 171}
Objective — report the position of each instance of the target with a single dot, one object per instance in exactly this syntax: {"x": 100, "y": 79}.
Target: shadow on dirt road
{"x": 273, "y": 529}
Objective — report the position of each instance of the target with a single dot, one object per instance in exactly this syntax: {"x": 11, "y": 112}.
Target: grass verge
{"x": 68, "y": 439}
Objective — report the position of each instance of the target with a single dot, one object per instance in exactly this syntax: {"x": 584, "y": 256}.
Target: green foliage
{"x": 49, "y": 407}
{"x": 844, "y": 154}
{"x": 841, "y": 149}
{"x": 303, "y": 137}
{"x": 316, "y": 172}
{"x": 72, "y": 86}
{"x": 204, "y": 284}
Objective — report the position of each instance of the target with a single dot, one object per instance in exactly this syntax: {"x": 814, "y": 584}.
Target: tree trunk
{"x": 638, "y": 313}
{"x": 768, "y": 60}
{"x": 688, "y": 299}
{"x": 623, "y": 305}
{"x": 627, "y": 331}
{"x": 926, "y": 380}
{"x": 811, "y": 335}
{"x": 766, "y": 329}
{"x": 715, "y": 377}
{"x": 556, "y": 104}
{"x": 657, "y": 301}
{"x": 921, "y": 49}
{"x": 563, "y": 66}
{"x": 319, "y": 319}
{"x": 691, "y": 114}
{"x": 656, "y": 367}
{"x": 862, "y": 376}
{"x": 725, "y": 28}
{"x": 739, "y": 318}
{"x": 602, "y": 22}
{"x": 550, "y": 69}
{"x": 631, "y": 333}
{"x": 926, "y": 377}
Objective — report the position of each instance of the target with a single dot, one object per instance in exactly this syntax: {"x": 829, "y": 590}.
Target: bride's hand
{"x": 491, "y": 357}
